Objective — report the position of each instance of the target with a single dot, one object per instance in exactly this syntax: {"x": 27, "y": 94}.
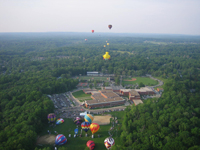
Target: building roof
{"x": 144, "y": 89}
{"x": 93, "y": 72}
{"x": 134, "y": 93}
{"x": 105, "y": 91}
{"x": 136, "y": 102}
{"x": 104, "y": 100}
{"x": 110, "y": 94}
{"x": 125, "y": 90}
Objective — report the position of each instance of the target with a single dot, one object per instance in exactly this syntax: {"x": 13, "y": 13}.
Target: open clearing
{"x": 46, "y": 139}
{"x": 102, "y": 120}
{"x": 144, "y": 80}
{"x": 80, "y": 142}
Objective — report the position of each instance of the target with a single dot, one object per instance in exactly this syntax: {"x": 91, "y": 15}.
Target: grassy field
{"x": 80, "y": 94}
{"x": 80, "y": 142}
{"x": 144, "y": 80}
{"x": 93, "y": 78}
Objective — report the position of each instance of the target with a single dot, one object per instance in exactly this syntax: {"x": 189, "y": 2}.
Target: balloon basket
{"x": 92, "y": 135}
{"x": 86, "y": 135}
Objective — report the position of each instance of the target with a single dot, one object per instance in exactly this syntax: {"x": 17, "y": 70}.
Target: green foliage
{"x": 32, "y": 65}
{"x": 169, "y": 123}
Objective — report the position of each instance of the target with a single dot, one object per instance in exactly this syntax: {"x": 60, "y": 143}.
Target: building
{"x": 104, "y": 98}
{"x": 93, "y": 73}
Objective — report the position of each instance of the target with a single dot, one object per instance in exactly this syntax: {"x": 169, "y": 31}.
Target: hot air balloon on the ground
{"x": 78, "y": 121}
{"x": 51, "y": 117}
{"x": 92, "y": 31}
{"x": 109, "y": 26}
{"x": 89, "y": 118}
{"x": 85, "y": 126}
{"x": 94, "y": 127}
{"x": 108, "y": 44}
{"x": 76, "y": 131}
{"x": 60, "y": 139}
{"x": 106, "y": 56}
{"x": 59, "y": 121}
{"x": 109, "y": 142}
{"x": 90, "y": 144}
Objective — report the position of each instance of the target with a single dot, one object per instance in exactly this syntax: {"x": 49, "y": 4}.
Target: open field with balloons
{"x": 137, "y": 80}
{"x": 69, "y": 126}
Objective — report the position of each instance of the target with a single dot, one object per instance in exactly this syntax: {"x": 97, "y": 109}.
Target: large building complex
{"x": 110, "y": 96}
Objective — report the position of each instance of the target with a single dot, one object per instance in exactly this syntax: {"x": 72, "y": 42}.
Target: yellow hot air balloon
{"x": 104, "y": 46}
{"x": 107, "y": 43}
{"x": 106, "y": 56}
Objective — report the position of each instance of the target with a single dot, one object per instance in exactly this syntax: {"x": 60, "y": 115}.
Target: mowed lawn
{"x": 144, "y": 80}
{"x": 80, "y": 94}
{"x": 77, "y": 143}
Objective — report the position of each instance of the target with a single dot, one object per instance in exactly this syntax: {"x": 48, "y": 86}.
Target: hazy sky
{"x": 126, "y": 16}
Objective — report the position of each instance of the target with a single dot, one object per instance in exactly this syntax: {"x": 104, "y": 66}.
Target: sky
{"x": 126, "y": 16}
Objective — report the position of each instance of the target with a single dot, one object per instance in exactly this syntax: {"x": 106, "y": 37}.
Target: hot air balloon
{"x": 109, "y": 26}
{"x": 51, "y": 117}
{"x": 89, "y": 118}
{"x": 92, "y": 31}
{"x": 108, "y": 44}
{"x": 90, "y": 144}
{"x": 94, "y": 127}
{"x": 59, "y": 121}
{"x": 76, "y": 131}
{"x": 85, "y": 126}
{"x": 104, "y": 46}
{"x": 78, "y": 121}
{"x": 109, "y": 142}
{"x": 60, "y": 139}
{"x": 85, "y": 39}
{"x": 106, "y": 56}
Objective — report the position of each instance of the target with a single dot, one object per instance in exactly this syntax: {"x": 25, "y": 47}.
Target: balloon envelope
{"x": 60, "y": 139}
{"x": 85, "y": 126}
{"x": 51, "y": 117}
{"x": 78, "y": 121}
{"x": 109, "y": 26}
{"x": 106, "y": 56}
{"x": 94, "y": 127}
{"x": 109, "y": 142}
{"x": 90, "y": 144}
{"x": 92, "y": 31}
{"x": 76, "y": 131}
{"x": 89, "y": 118}
{"x": 108, "y": 44}
{"x": 59, "y": 121}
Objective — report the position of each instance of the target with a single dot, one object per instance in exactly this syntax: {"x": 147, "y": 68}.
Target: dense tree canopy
{"x": 35, "y": 64}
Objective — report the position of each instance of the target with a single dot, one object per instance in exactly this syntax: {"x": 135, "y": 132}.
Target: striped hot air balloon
{"x": 59, "y": 121}
{"x": 94, "y": 127}
{"x": 60, "y": 139}
{"x": 51, "y": 117}
{"x": 90, "y": 144}
{"x": 89, "y": 118}
{"x": 85, "y": 126}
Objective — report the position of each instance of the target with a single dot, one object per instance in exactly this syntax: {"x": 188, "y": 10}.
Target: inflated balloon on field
{"x": 109, "y": 142}
{"x": 59, "y": 121}
{"x": 94, "y": 127}
{"x": 60, "y": 139}
{"x": 51, "y": 117}
{"x": 89, "y": 118}
{"x": 90, "y": 144}
{"x": 85, "y": 126}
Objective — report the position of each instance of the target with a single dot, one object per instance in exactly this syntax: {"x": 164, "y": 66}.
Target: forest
{"x": 33, "y": 65}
